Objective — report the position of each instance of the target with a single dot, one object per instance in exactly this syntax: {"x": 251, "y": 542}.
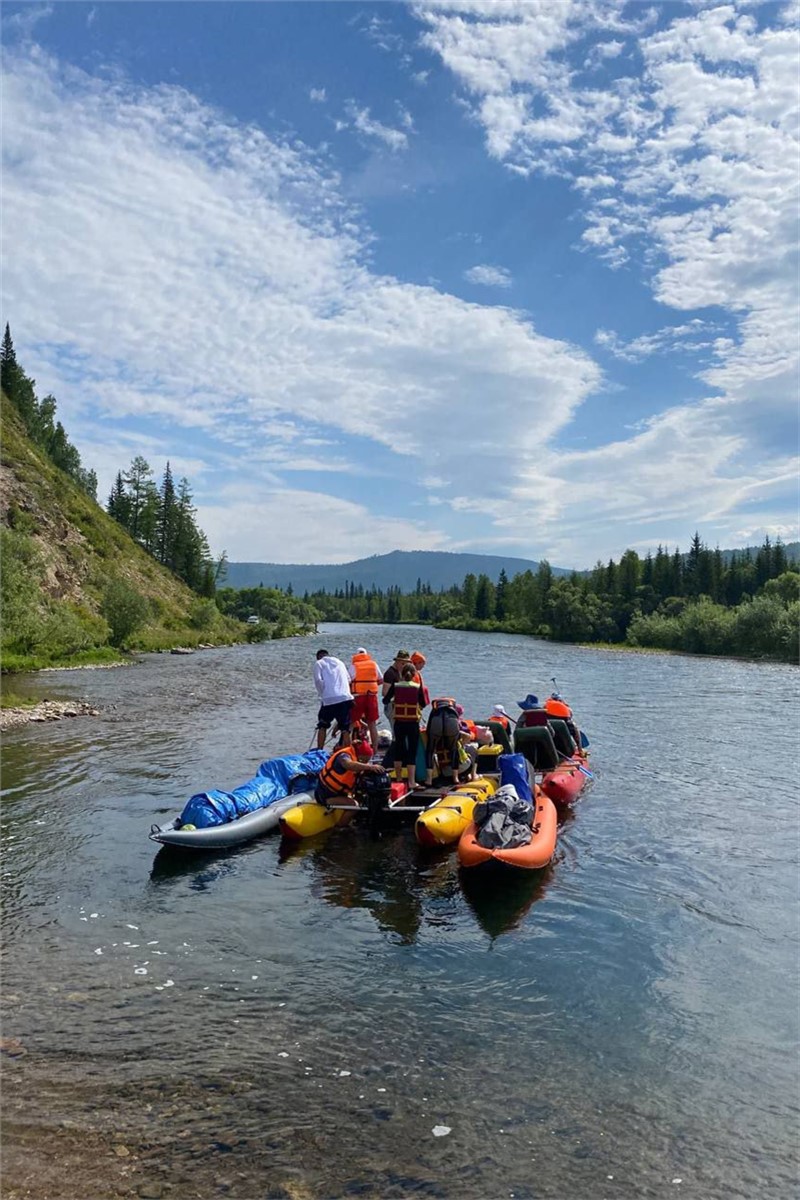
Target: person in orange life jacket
{"x": 406, "y": 696}
{"x": 338, "y": 777}
{"x": 500, "y": 715}
{"x": 419, "y": 660}
{"x": 336, "y": 702}
{"x": 392, "y": 675}
{"x": 365, "y": 682}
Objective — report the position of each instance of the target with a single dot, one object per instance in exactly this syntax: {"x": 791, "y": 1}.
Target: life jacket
{"x": 504, "y": 721}
{"x": 337, "y": 779}
{"x": 366, "y": 680}
{"x": 471, "y": 727}
{"x": 557, "y": 708}
{"x": 444, "y": 702}
{"x": 424, "y": 695}
{"x": 407, "y": 700}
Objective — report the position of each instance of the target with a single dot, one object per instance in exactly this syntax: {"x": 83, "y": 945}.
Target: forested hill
{"x": 398, "y": 569}
{"x": 75, "y": 585}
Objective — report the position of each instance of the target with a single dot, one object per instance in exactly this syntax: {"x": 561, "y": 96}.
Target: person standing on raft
{"x": 365, "y": 683}
{"x": 336, "y": 701}
{"x": 406, "y": 696}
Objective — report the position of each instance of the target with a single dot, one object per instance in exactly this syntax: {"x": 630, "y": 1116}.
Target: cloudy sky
{"x": 513, "y": 277}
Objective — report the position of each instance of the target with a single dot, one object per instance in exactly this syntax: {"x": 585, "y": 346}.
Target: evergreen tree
{"x": 501, "y": 596}
{"x": 484, "y": 598}
{"x": 167, "y": 521}
{"x": 136, "y": 480}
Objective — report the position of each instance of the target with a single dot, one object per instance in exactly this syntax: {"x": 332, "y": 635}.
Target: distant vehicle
{"x": 254, "y": 620}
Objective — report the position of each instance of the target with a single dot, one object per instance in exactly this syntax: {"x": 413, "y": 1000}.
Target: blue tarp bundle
{"x": 276, "y": 778}
{"x": 514, "y": 770}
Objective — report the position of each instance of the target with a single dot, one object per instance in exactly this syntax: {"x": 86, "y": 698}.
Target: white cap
{"x": 499, "y": 711}
{"x": 361, "y": 650}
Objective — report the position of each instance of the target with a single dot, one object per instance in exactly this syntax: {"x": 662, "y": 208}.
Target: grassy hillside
{"x": 69, "y": 571}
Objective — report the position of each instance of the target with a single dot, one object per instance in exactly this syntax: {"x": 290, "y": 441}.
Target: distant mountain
{"x": 400, "y": 568}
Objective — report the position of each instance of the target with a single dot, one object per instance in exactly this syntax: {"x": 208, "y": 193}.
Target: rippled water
{"x": 295, "y": 1023}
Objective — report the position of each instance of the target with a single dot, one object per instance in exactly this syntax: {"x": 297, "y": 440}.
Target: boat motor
{"x": 373, "y": 791}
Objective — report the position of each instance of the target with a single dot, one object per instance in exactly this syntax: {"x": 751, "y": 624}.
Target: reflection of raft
{"x": 448, "y": 817}
{"x": 536, "y": 854}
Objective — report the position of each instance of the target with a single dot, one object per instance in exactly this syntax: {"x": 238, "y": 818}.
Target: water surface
{"x": 295, "y": 1022}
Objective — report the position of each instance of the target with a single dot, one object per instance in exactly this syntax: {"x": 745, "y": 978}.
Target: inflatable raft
{"x": 217, "y": 819}
{"x": 446, "y": 819}
{"x": 231, "y": 833}
{"x": 532, "y": 857}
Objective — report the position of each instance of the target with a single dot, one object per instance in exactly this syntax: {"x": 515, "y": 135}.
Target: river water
{"x": 272, "y": 1023}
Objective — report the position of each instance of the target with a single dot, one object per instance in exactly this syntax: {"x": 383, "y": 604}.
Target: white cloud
{"x": 361, "y": 120}
{"x": 489, "y": 276}
{"x": 318, "y": 95}
{"x": 688, "y": 162}
{"x": 273, "y": 525}
{"x": 167, "y": 267}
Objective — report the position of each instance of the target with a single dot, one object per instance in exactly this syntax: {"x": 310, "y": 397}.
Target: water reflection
{"x": 499, "y": 900}
{"x": 201, "y": 871}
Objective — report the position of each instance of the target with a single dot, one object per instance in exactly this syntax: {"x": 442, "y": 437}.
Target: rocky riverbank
{"x": 46, "y": 710}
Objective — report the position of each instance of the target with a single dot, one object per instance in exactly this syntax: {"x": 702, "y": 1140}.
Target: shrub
{"x": 124, "y": 609}
{"x": 202, "y": 614}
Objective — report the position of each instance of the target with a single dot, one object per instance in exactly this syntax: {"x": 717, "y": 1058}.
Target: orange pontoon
{"x": 532, "y": 857}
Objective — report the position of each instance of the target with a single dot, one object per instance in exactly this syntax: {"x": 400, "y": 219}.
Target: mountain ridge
{"x": 400, "y": 568}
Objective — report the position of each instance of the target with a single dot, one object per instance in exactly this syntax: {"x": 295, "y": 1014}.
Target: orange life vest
{"x": 471, "y": 728}
{"x": 557, "y": 708}
{"x": 366, "y": 680}
{"x": 443, "y": 702}
{"x": 424, "y": 694}
{"x": 407, "y": 699}
{"x": 504, "y": 721}
{"x": 338, "y": 779}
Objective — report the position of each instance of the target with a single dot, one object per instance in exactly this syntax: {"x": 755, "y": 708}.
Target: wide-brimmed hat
{"x": 530, "y": 701}
{"x": 402, "y": 654}
{"x": 499, "y": 711}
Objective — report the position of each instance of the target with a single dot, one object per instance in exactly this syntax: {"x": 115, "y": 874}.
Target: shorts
{"x": 340, "y": 713}
{"x": 406, "y": 741}
{"x": 365, "y": 708}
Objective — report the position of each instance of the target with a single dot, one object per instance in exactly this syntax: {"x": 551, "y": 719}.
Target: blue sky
{"x": 514, "y": 278}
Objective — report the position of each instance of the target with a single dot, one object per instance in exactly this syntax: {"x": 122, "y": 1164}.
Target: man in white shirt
{"x": 336, "y": 701}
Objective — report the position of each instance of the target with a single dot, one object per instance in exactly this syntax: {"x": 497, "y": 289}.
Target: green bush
{"x": 124, "y": 609}
{"x": 202, "y": 614}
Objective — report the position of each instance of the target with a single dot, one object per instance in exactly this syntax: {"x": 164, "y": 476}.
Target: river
{"x": 272, "y": 1023}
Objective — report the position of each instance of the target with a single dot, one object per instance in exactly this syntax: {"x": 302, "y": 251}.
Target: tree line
{"x": 39, "y": 418}
{"x": 702, "y": 601}
{"x": 161, "y": 518}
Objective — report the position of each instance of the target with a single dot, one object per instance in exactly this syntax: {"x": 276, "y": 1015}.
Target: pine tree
{"x": 501, "y": 596}
{"x": 138, "y": 476}
{"x": 167, "y": 527}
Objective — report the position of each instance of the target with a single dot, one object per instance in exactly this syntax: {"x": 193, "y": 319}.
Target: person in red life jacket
{"x": 338, "y": 777}
{"x": 365, "y": 682}
{"x": 392, "y": 675}
{"x": 419, "y": 660}
{"x": 406, "y": 697}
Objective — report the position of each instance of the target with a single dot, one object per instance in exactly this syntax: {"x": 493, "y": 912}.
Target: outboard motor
{"x": 373, "y": 792}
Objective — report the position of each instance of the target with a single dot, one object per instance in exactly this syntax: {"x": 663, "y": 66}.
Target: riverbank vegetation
{"x": 77, "y": 587}
{"x": 702, "y": 602}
